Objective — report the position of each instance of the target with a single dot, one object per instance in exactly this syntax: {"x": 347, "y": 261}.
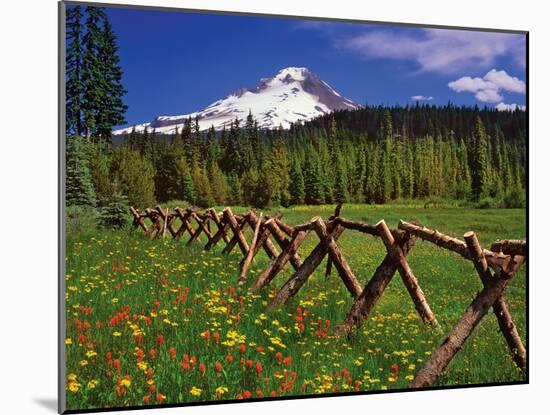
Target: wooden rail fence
{"x": 495, "y": 266}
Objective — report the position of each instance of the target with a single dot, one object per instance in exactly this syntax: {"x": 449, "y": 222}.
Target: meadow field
{"x": 156, "y": 321}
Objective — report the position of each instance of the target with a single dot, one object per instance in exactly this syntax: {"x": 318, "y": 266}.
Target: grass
{"x": 160, "y": 322}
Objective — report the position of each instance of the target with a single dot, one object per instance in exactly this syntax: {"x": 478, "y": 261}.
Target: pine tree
{"x": 341, "y": 190}
{"x": 100, "y": 166}
{"x": 235, "y": 196}
{"x": 297, "y": 186}
{"x": 93, "y": 77}
{"x": 79, "y": 186}
{"x": 202, "y": 187}
{"x": 312, "y": 180}
{"x": 73, "y": 68}
{"x": 281, "y": 178}
{"x": 112, "y": 109}
{"x": 184, "y": 186}
{"x": 134, "y": 175}
{"x": 480, "y": 168}
{"x": 218, "y": 183}
{"x": 114, "y": 215}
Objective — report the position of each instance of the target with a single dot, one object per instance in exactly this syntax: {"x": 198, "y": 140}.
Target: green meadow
{"x": 157, "y": 321}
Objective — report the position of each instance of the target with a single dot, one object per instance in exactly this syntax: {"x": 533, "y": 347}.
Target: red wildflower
{"x": 259, "y": 368}
{"x": 172, "y": 352}
{"x": 160, "y": 398}
{"x": 160, "y": 339}
{"x": 247, "y": 394}
{"x": 152, "y": 353}
{"x": 242, "y": 348}
{"x": 287, "y": 361}
{"x": 216, "y": 337}
{"x": 218, "y": 367}
{"x": 279, "y": 357}
{"x": 146, "y": 399}
{"x": 229, "y": 358}
{"x": 202, "y": 368}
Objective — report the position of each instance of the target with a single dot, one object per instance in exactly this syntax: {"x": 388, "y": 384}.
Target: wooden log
{"x": 510, "y": 247}
{"x": 298, "y": 279}
{"x": 221, "y": 233}
{"x": 167, "y": 218}
{"x": 407, "y": 275}
{"x": 289, "y": 230}
{"x": 279, "y": 236}
{"x": 250, "y": 254}
{"x": 374, "y": 289}
{"x": 328, "y": 269}
{"x": 267, "y": 245}
{"x": 155, "y": 219}
{"x": 237, "y": 230}
{"x": 186, "y": 226}
{"x": 454, "y": 341}
{"x": 201, "y": 223}
{"x": 139, "y": 220}
{"x": 357, "y": 226}
{"x": 216, "y": 218}
{"x": 495, "y": 260}
{"x": 347, "y": 275}
{"x": 234, "y": 240}
{"x": 500, "y": 307}
{"x": 278, "y": 264}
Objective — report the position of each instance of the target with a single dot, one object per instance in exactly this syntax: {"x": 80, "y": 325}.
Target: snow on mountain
{"x": 294, "y": 94}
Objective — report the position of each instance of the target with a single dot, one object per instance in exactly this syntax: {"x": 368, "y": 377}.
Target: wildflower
{"x": 160, "y": 397}
{"x": 259, "y": 368}
{"x": 218, "y": 367}
{"x": 195, "y": 391}
{"x": 116, "y": 364}
{"x": 287, "y": 361}
{"x": 216, "y": 337}
{"x": 146, "y": 399}
{"x": 242, "y": 348}
{"x": 259, "y": 393}
{"x": 172, "y": 352}
{"x": 152, "y": 388}
{"x": 68, "y": 341}
{"x": 221, "y": 390}
{"x": 160, "y": 339}
{"x": 83, "y": 363}
{"x": 74, "y": 387}
{"x": 279, "y": 357}
{"x": 202, "y": 368}
{"x": 260, "y": 349}
{"x": 206, "y": 335}
{"x": 152, "y": 353}
{"x": 126, "y": 382}
{"x": 247, "y": 394}
{"x": 229, "y": 358}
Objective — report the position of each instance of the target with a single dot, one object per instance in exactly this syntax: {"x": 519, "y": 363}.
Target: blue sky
{"x": 179, "y": 62}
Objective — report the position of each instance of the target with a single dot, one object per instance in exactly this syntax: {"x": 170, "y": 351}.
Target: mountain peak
{"x": 294, "y": 94}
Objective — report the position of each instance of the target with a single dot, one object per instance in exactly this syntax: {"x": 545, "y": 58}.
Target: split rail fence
{"x": 495, "y": 266}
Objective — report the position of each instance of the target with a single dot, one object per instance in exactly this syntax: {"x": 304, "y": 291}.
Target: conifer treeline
{"x": 94, "y": 88}
{"x": 323, "y": 161}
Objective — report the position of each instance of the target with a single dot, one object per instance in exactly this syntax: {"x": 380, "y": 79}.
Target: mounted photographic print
{"x": 259, "y": 207}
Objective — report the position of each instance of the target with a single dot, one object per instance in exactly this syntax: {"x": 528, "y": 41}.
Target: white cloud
{"x": 489, "y": 88}
{"x": 421, "y": 98}
{"x": 439, "y": 50}
{"x": 509, "y": 107}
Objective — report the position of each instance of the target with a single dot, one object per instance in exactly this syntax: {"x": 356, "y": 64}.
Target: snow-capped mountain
{"x": 294, "y": 94}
